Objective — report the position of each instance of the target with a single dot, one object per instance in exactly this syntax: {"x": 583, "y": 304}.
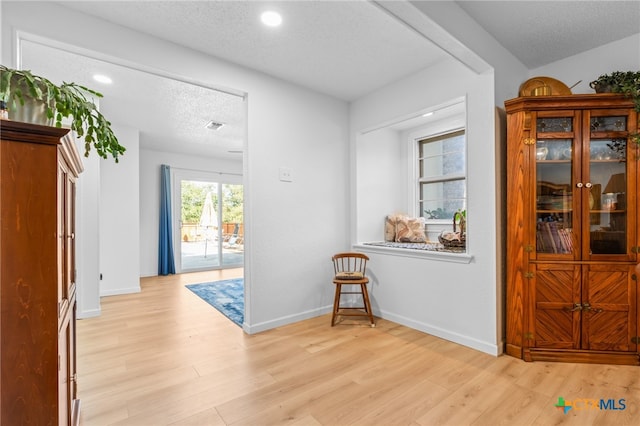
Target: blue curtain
{"x": 166, "y": 263}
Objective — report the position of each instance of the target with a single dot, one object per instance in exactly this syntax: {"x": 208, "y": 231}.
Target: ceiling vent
{"x": 213, "y": 125}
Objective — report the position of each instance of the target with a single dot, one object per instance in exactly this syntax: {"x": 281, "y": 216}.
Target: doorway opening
{"x": 210, "y": 223}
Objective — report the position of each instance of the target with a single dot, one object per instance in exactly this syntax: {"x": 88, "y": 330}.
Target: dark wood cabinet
{"x": 39, "y": 166}
{"x": 572, "y": 229}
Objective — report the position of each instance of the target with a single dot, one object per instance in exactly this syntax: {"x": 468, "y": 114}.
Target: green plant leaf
{"x": 63, "y": 101}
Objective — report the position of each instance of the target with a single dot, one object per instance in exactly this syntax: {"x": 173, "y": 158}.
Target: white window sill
{"x": 443, "y": 256}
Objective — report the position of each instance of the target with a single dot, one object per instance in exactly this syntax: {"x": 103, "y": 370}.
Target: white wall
{"x": 88, "y": 235}
{"x": 509, "y": 72}
{"x": 456, "y": 301}
{"x": 150, "y": 162}
{"x": 292, "y": 229}
{"x": 621, "y": 55}
{"x": 119, "y": 213}
{"x": 381, "y": 181}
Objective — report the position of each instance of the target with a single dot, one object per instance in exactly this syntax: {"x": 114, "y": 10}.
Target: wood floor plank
{"x": 411, "y": 402}
{"x": 293, "y": 406}
{"x": 208, "y": 417}
{"x": 544, "y": 378}
{"x": 165, "y": 357}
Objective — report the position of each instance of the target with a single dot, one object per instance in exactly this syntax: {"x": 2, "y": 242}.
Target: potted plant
{"x": 456, "y": 240}
{"x": 627, "y": 83}
{"x": 57, "y": 102}
{"x": 460, "y": 218}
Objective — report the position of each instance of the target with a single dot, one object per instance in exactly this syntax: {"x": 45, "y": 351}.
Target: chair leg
{"x": 367, "y": 304}
{"x": 336, "y": 304}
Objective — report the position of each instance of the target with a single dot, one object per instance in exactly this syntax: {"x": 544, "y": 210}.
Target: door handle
{"x": 576, "y": 307}
{"x": 587, "y": 308}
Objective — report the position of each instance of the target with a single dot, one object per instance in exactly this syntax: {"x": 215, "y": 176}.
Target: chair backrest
{"x": 350, "y": 262}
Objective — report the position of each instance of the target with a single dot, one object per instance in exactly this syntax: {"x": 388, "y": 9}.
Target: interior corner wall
{"x": 450, "y": 300}
{"x": 620, "y": 55}
{"x": 509, "y": 72}
{"x": 150, "y": 162}
{"x": 119, "y": 213}
{"x": 381, "y": 181}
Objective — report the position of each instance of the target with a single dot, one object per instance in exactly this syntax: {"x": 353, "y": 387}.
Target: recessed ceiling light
{"x": 271, "y": 18}
{"x": 100, "y": 78}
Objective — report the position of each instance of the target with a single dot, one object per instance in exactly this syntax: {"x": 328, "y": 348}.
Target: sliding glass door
{"x": 210, "y": 226}
{"x": 232, "y": 238}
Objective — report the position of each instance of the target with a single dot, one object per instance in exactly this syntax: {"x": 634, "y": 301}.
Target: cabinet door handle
{"x": 588, "y": 308}
{"x": 588, "y": 185}
{"x": 579, "y": 184}
{"x": 576, "y": 307}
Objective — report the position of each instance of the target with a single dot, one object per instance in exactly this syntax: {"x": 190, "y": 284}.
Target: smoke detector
{"x": 213, "y": 125}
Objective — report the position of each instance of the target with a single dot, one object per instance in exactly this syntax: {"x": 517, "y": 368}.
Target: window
{"x": 442, "y": 188}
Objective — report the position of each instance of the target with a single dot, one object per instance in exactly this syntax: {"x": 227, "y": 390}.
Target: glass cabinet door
{"x": 554, "y": 191}
{"x": 607, "y": 176}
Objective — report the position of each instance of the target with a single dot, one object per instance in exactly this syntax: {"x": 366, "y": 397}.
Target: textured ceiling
{"x": 342, "y": 48}
{"x": 541, "y": 32}
{"x": 171, "y": 115}
{"x": 345, "y": 49}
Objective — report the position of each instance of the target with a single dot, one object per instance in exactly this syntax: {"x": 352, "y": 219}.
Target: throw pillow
{"x": 411, "y": 230}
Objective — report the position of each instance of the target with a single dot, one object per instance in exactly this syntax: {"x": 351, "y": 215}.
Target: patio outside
{"x": 200, "y": 249}
{"x": 212, "y": 229}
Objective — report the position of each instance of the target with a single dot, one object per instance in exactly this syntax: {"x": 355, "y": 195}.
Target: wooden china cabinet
{"x": 38, "y": 170}
{"x": 572, "y": 229}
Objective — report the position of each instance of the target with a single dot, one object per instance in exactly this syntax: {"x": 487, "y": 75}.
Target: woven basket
{"x": 454, "y": 244}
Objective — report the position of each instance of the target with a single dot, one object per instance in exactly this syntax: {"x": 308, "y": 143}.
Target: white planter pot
{"x": 31, "y": 112}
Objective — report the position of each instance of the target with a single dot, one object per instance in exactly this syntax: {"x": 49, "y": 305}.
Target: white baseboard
{"x": 473, "y": 343}
{"x": 119, "y": 291}
{"x": 290, "y": 319}
{"x": 88, "y": 314}
{"x": 470, "y": 342}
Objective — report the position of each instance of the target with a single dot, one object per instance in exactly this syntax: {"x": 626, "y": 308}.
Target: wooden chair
{"x": 350, "y": 269}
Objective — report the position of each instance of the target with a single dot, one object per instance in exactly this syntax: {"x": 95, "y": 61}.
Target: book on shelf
{"x": 552, "y": 237}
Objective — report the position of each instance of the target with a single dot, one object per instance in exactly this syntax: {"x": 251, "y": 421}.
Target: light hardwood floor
{"x": 165, "y": 357}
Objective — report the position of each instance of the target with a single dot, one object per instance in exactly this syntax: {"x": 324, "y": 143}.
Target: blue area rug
{"x": 227, "y": 296}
